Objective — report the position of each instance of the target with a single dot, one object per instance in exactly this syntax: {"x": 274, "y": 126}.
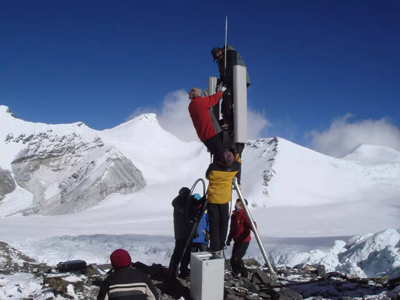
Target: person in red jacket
{"x": 240, "y": 233}
{"x": 206, "y": 125}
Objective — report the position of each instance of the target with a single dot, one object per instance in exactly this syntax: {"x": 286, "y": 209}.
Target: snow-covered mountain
{"x": 61, "y": 168}
{"x": 68, "y": 168}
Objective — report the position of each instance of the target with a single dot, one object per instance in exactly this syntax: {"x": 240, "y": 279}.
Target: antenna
{"x": 226, "y": 42}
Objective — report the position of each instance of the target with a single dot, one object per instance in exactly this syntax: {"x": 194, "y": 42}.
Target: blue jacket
{"x": 201, "y": 229}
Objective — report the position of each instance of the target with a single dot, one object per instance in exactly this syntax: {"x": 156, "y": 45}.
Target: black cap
{"x": 247, "y": 203}
{"x": 214, "y": 52}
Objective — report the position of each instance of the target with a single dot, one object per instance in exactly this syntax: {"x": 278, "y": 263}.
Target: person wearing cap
{"x": 184, "y": 213}
{"x": 219, "y": 193}
{"x": 126, "y": 282}
{"x": 240, "y": 233}
{"x": 233, "y": 58}
{"x": 207, "y": 126}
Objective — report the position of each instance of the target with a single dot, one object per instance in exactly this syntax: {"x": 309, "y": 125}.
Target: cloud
{"x": 257, "y": 124}
{"x": 174, "y": 117}
{"x": 344, "y": 136}
{"x": 140, "y": 111}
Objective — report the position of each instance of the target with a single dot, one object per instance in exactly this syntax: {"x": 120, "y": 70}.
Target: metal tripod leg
{"x": 194, "y": 229}
{"x": 199, "y": 216}
{"x": 260, "y": 244}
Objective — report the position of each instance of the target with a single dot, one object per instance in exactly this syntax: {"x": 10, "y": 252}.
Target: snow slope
{"x": 373, "y": 155}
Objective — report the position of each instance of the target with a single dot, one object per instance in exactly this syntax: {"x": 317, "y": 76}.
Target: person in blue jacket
{"x": 201, "y": 239}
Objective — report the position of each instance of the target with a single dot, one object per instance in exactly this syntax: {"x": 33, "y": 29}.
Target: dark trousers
{"x": 239, "y": 148}
{"x": 178, "y": 255}
{"x": 197, "y": 247}
{"x": 227, "y": 105}
{"x": 215, "y": 146}
{"x": 238, "y": 251}
{"x": 218, "y": 217}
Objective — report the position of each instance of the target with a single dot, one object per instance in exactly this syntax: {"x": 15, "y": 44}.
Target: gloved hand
{"x": 228, "y": 242}
{"x": 221, "y": 87}
{"x": 207, "y": 238}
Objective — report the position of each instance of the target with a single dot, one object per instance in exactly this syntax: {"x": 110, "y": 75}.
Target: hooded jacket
{"x": 240, "y": 230}
{"x": 127, "y": 283}
{"x": 220, "y": 181}
{"x": 233, "y": 58}
{"x": 181, "y": 227}
{"x": 203, "y": 119}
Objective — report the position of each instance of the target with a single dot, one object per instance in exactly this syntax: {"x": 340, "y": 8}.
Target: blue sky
{"x": 310, "y": 62}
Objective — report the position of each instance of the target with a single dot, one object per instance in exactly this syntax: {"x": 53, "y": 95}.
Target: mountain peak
{"x": 149, "y": 118}
{"x": 373, "y": 154}
{"x": 6, "y": 110}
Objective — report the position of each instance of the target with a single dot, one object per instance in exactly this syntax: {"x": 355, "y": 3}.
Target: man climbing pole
{"x": 225, "y": 67}
{"x": 233, "y": 58}
{"x": 206, "y": 125}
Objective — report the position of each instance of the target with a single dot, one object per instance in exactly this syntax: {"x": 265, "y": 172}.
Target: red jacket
{"x": 240, "y": 227}
{"x": 203, "y": 119}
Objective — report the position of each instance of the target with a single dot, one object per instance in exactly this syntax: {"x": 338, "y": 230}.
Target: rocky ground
{"x": 23, "y": 278}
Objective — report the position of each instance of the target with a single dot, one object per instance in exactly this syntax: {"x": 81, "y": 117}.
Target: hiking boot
{"x": 184, "y": 275}
{"x": 244, "y": 274}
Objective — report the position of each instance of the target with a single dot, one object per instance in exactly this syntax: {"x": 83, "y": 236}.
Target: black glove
{"x": 228, "y": 242}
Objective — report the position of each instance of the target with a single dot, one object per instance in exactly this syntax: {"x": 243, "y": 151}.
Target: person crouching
{"x": 126, "y": 282}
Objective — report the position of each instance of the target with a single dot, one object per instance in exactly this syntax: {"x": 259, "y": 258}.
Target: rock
{"x": 311, "y": 268}
{"x": 56, "y": 282}
{"x": 234, "y": 297}
{"x": 239, "y": 283}
{"x": 265, "y": 295}
{"x": 251, "y": 287}
{"x": 35, "y": 267}
{"x": 261, "y": 277}
{"x": 7, "y": 183}
{"x": 321, "y": 271}
{"x": 251, "y": 262}
{"x": 10, "y": 258}
{"x": 104, "y": 267}
{"x": 60, "y": 283}
{"x": 229, "y": 283}
{"x": 91, "y": 270}
{"x": 286, "y": 293}
{"x": 253, "y": 297}
{"x": 90, "y": 293}
{"x": 392, "y": 283}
